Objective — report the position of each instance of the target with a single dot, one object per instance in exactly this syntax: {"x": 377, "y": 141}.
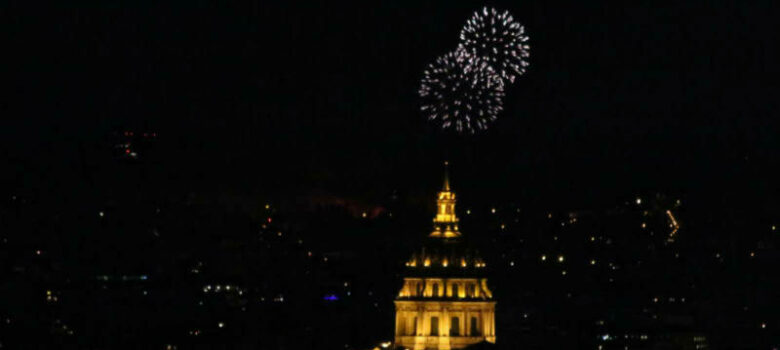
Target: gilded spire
{"x": 446, "y": 187}
{"x": 445, "y": 224}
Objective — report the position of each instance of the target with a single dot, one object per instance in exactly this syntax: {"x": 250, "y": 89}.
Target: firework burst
{"x": 497, "y": 39}
{"x": 461, "y": 92}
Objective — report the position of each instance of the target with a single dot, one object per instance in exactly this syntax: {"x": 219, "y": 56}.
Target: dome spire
{"x": 445, "y": 224}
{"x": 446, "y": 187}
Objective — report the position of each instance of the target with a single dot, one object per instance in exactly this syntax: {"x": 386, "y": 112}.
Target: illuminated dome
{"x": 445, "y": 302}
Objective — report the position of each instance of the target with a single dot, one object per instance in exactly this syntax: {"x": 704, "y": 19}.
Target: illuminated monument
{"x": 445, "y": 302}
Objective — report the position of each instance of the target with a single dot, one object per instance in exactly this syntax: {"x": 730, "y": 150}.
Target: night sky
{"x": 279, "y": 98}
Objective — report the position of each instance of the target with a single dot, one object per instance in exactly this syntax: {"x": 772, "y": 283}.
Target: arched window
{"x": 435, "y": 289}
{"x": 434, "y": 326}
{"x": 454, "y": 290}
{"x": 419, "y": 289}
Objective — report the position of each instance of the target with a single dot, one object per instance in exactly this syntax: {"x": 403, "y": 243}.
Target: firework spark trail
{"x": 461, "y": 92}
{"x": 496, "y": 38}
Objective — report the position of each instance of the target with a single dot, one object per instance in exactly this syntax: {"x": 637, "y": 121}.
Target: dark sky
{"x": 254, "y": 97}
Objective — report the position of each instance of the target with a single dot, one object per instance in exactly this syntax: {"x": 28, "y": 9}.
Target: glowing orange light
{"x": 675, "y": 226}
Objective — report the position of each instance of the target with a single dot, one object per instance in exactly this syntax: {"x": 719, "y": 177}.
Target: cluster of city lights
{"x": 223, "y": 289}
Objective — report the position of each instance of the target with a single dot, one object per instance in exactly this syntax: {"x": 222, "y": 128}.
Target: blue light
{"x": 330, "y": 297}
